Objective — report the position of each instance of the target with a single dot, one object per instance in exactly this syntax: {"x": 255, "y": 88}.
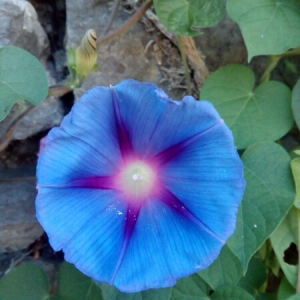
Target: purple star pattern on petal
{"x": 139, "y": 190}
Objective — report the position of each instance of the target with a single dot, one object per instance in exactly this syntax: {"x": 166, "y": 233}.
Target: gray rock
{"x": 40, "y": 118}
{"x": 18, "y": 225}
{"x": 20, "y": 27}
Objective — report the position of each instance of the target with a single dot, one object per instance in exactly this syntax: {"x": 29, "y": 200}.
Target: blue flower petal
{"x": 86, "y": 144}
{"x": 164, "y": 247}
{"x": 207, "y": 177}
{"x": 87, "y": 224}
{"x": 92, "y": 121}
{"x": 155, "y": 122}
{"x": 67, "y": 158}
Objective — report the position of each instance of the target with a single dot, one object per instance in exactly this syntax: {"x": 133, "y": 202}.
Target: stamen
{"x": 137, "y": 180}
{"x": 137, "y": 176}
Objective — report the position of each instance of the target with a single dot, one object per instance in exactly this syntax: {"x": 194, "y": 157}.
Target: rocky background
{"x": 46, "y": 28}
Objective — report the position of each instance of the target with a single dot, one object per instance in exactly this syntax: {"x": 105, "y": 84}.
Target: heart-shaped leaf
{"x": 295, "y": 165}
{"x": 219, "y": 274}
{"x": 111, "y": 293}
{"x": 74, "y": 285}
{"x": 190, "y": 288}
{"x": 255, "y": 277}
{"x": 268, "y": 196}
{"x": 296, "y": 102}
{"x": 283, "y": 238}
{"x": 268, "y": 26}
{"x": 285, "y": 290}
{"x": 22, "y": 77}
{"x": 294, "y": 297}
{"x": 187, "y": 17}
{"x": 27, "y": 281}
{"x": 230, "y": 293}
{"x": 252, "y": 115}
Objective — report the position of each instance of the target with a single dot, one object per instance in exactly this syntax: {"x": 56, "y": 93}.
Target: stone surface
{"x": 18, "y": 225}
{"x": 20, "y": 27}
{"x": 42, "y": 117}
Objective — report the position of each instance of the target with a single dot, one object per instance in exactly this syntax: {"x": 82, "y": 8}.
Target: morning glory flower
{"x": 139, "y": 190}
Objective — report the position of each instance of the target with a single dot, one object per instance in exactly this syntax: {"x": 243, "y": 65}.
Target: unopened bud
{"x": 86, "y": 54}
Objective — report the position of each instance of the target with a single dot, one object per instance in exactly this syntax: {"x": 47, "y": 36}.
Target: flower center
{"x": 136, "y": 180}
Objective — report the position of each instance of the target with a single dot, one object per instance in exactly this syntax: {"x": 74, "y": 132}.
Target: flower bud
{"x": 86, "y": 54}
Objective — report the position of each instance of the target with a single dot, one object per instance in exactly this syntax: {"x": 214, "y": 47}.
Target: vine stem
{"x": 113, "y": 15}
{"x": 295, "y": 51}
{"x": 58, "y": 90}
{"x": 274, "y": 60}
{"x": 133, "y": 20}
{"x": 185, "y": 64}
{"x": 7, "y": 138}
{"x": 298, "y": 281}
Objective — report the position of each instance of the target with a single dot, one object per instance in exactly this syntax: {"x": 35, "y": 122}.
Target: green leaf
{"x": 255, "y": 277}
{"x": 268, "y": 26}
{"x": 266, "y": 296}
{"x": 295, "y": 165}
{"x": 219, "y": 273}
{"x": 285, "y": 290}
{"x": 22, "y": 77}
{"x": 111, "y": 293}
{"x": 25, "y": 282}
{"x": 252, "y": 115}
{"x": 268, "y": 196}
{"x": 187, "y": 17}
{"x": 282, "y": 238}
{"x": 231, "y": 293}
{"x": 290, "y": 66}
{"x": 294, "y": 297}
{"x": 296, "y": 103}
{"x": 190, "y": 288}
{"x": 73, "y": 285}
{"x": 295, "y": 152}
{"x": 72, "y": 63}
{"x": 157, "y": 294}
